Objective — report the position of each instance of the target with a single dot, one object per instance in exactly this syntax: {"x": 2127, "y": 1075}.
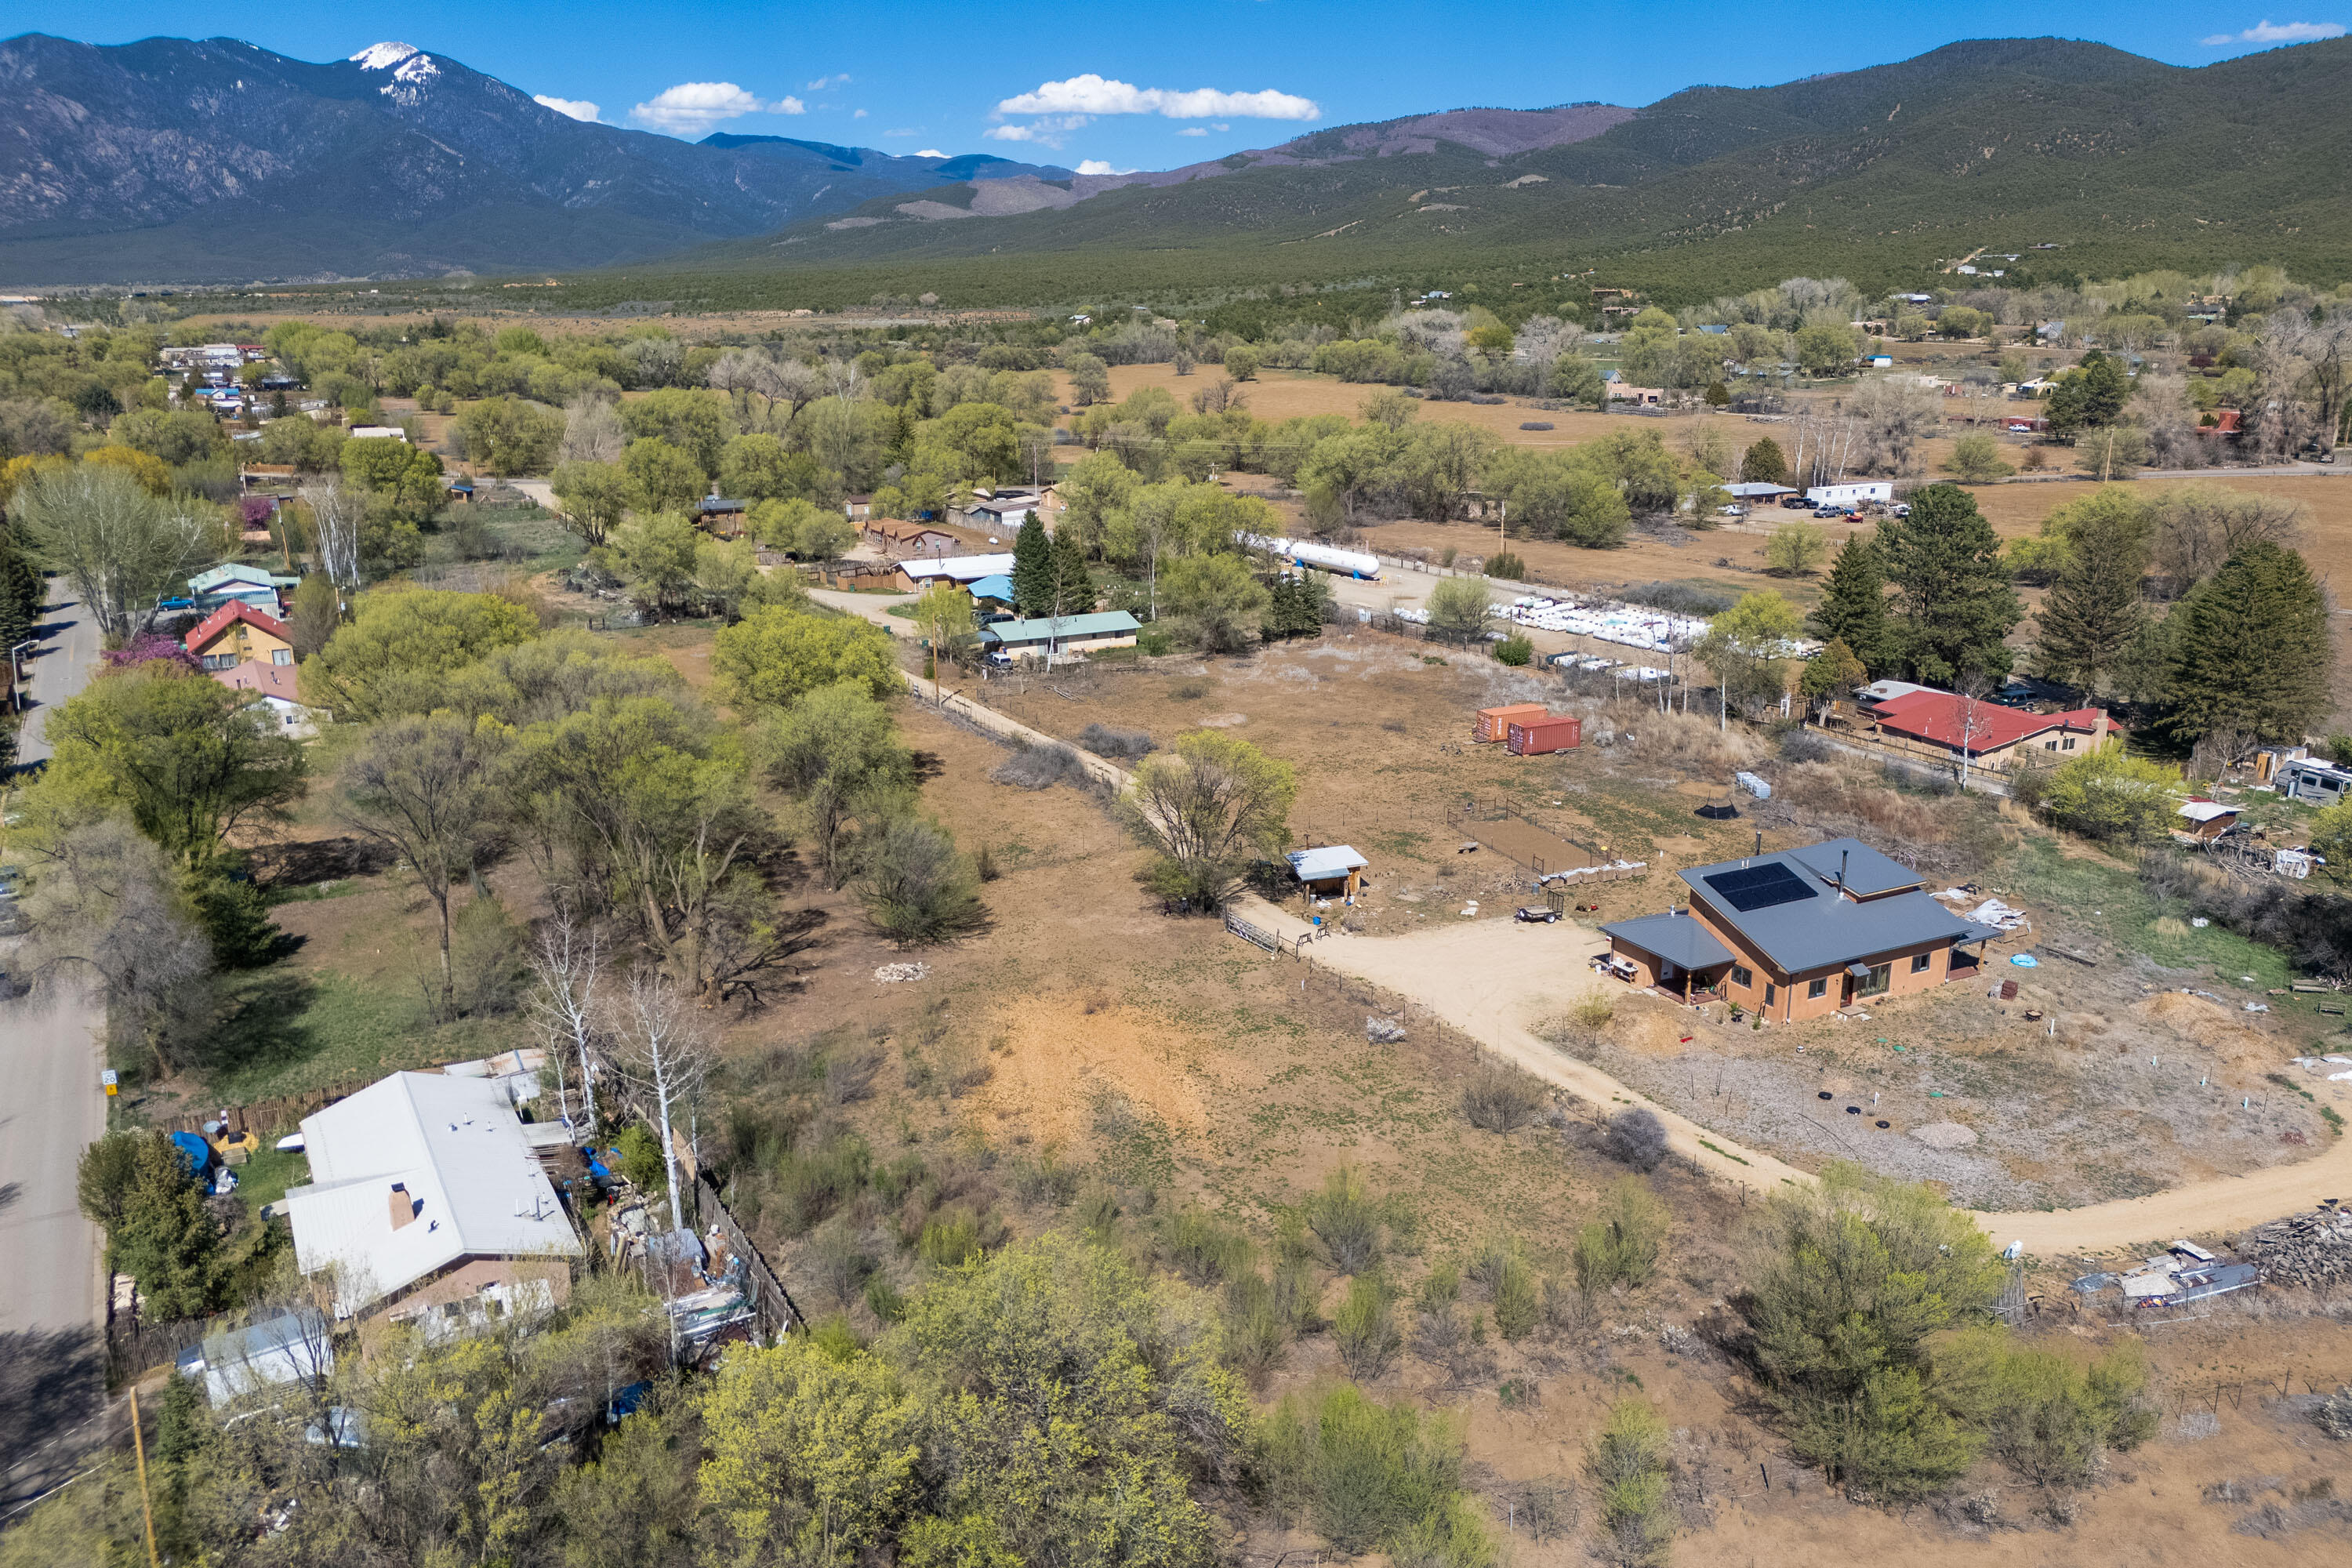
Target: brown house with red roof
{"x": 1989, "y": 733}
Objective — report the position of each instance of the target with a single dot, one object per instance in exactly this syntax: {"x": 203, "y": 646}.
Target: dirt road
{"x": 2206, "y": 1209}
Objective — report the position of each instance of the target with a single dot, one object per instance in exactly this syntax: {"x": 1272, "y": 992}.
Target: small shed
{"x": 1331, "y": 871}
{"x": 996, "y": 589}
{"x": 2204, "y": 819}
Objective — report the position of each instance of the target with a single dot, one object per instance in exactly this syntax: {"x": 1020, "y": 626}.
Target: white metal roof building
{"x": 959, "y": 568}
{"x": 415, "y": 1174}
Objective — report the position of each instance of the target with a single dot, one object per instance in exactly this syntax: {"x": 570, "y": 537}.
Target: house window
{"x": 1771, "y": 993}
{"x": 1814, "y": 988}
{"x": 2069, "y": 742}
{"x": 1920, "y": 962}
{"x": 2049, "y": 745}
{"x": 1741, "y": 978}
{"x": 220, "y": 662}
{"x": 1882, "y": 976}
{"x": 281, "y": 656}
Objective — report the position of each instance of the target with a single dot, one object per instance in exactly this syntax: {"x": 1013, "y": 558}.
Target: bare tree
{"x": 1971, "y": 689}
{"x": 425, "y": 788}
{"x": 120, "y": 547}
{"x": 567, "y": 960}
{"x": 591, "y": 432}
{"x": 662, "y": 1048}
{"x": 335, "y": 516}
{"x": 104, "y": 900}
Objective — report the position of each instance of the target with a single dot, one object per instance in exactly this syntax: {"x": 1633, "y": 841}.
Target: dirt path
{"x": 2207, "y": 1209}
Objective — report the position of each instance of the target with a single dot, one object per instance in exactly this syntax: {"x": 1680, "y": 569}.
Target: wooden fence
{"x": 778, "y": 1313}
{"x": 264, "y": 1117}
{"x": 1528, "y": 846}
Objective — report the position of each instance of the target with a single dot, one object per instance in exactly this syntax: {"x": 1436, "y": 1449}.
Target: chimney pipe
{"x": 1841, "y": 855}
{"x": 1759, "y": 841}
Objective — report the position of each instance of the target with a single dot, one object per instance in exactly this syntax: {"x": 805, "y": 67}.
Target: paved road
{"x": 58, "y": 667}
{"x": 51, "y": 1312}
{"x": 49, "y": 1061}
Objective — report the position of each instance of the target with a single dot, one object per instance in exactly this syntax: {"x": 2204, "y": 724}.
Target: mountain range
{"x": 175, "y": 159}
{"x": 217, "y": 161}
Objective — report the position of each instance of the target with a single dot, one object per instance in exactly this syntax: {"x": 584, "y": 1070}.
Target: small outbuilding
{"x": 1329, "y": 871}
{"x": 2204, "y": 819}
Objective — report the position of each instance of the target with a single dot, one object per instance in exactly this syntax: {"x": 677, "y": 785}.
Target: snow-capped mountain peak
{"x": 382, "y": 57}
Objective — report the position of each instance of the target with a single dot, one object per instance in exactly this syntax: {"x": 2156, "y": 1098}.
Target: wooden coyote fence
{"x": 1496, "y": 824}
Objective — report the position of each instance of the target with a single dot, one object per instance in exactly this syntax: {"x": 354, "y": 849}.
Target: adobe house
{"x": 1992, "y": 735}
{"x": 1799, "y": 933}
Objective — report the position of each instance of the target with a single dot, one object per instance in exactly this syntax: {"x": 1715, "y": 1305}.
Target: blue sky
{"x": 1140, "y": 84}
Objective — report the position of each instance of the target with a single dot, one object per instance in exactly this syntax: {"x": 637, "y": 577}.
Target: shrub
{"x": 1040, "y": 767}
{"x": 1507, "y": 564}
{"x": 1637, "y": 1138}
{"x": 1458, "y": 606}
{"x": 917, "y": 886}
{"x": 1621, "y": 1246}
{"x": 641, "y": 1159}
{"x": 1515, "y": 650}
{"x": 1368, "y": 1476}
{"x": 1104, "y": 740}
{"x": 1501, "y": 1099}
{"x": 1627, "y": 1463}
{"x": 1204, "y": 1249}
{"x": 1518, "y": 1298}
{"x": 1364, "y": 1329}
{"x": 2107, "y": 794}
{"x": 1257, "y": 1331}
{"x": 1346, "y": 1221}
{"x": 1676, "y": 598}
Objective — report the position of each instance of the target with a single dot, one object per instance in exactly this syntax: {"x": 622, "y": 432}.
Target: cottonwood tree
{"x": 427, "y": 787}
{"x": 568, "y": 961}
{"x": 1209, "y": 807}
{"x": 663, "y": 1048}
{"x": 122, "y": 547}
{"x": 337, "y": 515}
{"x": 104, "y": 900}
{"x": 1748, "y": 647}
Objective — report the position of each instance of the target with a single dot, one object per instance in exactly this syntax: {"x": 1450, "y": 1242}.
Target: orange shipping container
{"x": 1533, "y": 737}
{"x": 1494, "y": 724}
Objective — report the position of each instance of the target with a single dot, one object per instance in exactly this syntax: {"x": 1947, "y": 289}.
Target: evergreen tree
{"x": 1033, "y": 568}
{"x": 2251, "y": 650}
{"x": 1956, "y": 603}
{"x": 165, "y": 1239}
{"x": 1854, "y": 607}
{"x": 21, "y": 592}
{"x": 2093, "y": 615}
{"x": 1764, "y": 464}
{"x": 1070, "y": 586}
{"x": 2092, "y": 395}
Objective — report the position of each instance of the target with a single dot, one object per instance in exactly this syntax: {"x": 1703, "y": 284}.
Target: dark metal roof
{"x": 1867, "y": 870}
{"x": 1676, "y": 937}
{"x": 1830, "y": 931}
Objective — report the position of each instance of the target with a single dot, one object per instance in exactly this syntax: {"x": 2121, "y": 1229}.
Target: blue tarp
{"x": 193, "y": 1150}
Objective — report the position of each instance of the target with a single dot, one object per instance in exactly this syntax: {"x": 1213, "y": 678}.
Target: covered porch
{"x": 1670, "y": 953}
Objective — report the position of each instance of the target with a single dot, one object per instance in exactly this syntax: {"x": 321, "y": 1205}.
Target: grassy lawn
{"x": 2099, "y": 895}
{"x": 290, "y": 1031}
{"x": 263, "y": 1179}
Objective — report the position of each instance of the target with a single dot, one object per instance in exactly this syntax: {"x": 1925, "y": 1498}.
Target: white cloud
{"x": 1092, "y": 94}
{"x": 693, "y": 107}
{"x": 577, "y": 108}
{"x": 2269, "y": 32}
{"x": 1193, "y": 131}
{"x": 858, "y": 115}
{"x": 1096, "y": 167}
{"x": 839, "y": 78}
{"x": 1050, "y": 131}
{"x": 929, "y": 153}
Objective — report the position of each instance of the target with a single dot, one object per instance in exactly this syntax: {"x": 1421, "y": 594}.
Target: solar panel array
{"x": 1753, "y": 888}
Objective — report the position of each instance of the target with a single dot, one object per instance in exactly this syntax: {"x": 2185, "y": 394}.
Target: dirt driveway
{"x": 1496, "y": 980}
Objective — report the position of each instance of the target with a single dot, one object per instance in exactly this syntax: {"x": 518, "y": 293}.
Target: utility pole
{"x": 146, "y": 1499}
